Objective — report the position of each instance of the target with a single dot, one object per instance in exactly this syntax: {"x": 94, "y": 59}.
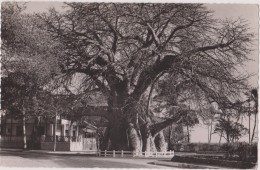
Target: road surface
{"x": 25, "y": 159}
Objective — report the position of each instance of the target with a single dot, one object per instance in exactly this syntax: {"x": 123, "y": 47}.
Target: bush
{"x": 195, "y": 147}
{"x": 229, "y": 148}
{"x": 241, "y": 150}
{"x": 254, "y": 149}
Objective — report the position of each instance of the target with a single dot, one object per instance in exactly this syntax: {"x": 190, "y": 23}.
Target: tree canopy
{"x": 123, "y": 50}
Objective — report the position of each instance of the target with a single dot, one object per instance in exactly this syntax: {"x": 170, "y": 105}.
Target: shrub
{"x": 229, "y": 148}
{"x": 242, "y": 150}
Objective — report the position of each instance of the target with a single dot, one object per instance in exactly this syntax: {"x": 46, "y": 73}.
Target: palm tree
{"x": 254, "y": 98}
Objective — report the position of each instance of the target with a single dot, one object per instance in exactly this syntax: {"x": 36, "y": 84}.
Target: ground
{"x": 23, "y": 159}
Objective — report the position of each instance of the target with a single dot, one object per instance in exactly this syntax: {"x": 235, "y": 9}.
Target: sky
{"x": 248, "y": 12}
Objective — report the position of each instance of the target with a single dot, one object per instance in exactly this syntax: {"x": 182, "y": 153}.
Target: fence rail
{"x": 61, "y": 138}
{"x": 122, "y": 153}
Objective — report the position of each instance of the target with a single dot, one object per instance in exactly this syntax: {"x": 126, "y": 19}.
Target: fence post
{"x": 122, "y": 153}
{"x": 99, "y": 152}
{"x": 114, "y": 154}
{"x": 156, "y": 154}
{"x": 105, "y": 153}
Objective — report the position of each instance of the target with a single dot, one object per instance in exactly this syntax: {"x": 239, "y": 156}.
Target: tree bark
{"x": 170, "y": 136}
{"x": 188, "y": 134}
{"x": 210, "y": 132}
{"x": 160, "y": 142}
{"x": 104, "y": 145}
{"x": 220, "y": 137}
{"x": 253, "y": 133}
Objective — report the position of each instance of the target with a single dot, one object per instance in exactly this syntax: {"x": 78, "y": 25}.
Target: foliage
{"x": 109, "y": 37}
{"x": 230, "y": 130}
{"x": 18, "y": 91}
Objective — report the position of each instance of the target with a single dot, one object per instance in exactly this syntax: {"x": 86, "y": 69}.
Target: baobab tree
{"x": 124, "y": 48}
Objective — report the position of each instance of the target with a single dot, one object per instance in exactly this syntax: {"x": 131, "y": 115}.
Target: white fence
{"x": 122, "y": 153}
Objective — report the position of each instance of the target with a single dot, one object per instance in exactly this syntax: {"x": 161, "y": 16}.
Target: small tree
{"x": 189, "y": 119}
{"x": 18, "y": 92}
{"x": 251, "y": 107}
{"x": 231, "y": 131}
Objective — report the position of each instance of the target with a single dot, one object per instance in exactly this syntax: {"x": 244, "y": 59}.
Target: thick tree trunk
{"x": 123, "y": 122}
{"x": 104, "y": 143}
{"x": 148, "y": 139}
{"x": 150, "y": 144}
{"x": 125, "y": 130}
{"x": 170, "y": 138}
{"x": 118, "y": 136}
{"x": 135, "y": 141}
{"x": 123, "y": 136}
{"x": 220, "y": 137}
{"x": 253, "y": 133}
{"x": 188, "y": 134}
{"x": 160, "y": 142}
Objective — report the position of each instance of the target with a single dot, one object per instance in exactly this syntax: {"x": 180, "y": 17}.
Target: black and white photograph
{"x": 131, "y": 84}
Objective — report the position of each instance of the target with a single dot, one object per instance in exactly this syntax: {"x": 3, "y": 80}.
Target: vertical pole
{"x": 11, "y": 126}
{"x": 249, "y": 115}
{"x": 156, "y": 154}
{"x": 210, "y": 132}
{"x": 24, "y": 129}
{"x": 114, "y": 154}
{"x": 122, "y": 153}
{"x": 105, "y": 153}
{"x": 188, "y": 134}
{"x": 54, "y": 134}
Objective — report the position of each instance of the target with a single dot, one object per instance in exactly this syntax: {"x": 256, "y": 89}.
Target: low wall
{"x": 11, "y": 144}
{"x": 15, "y": 142}
{"x": 84, "y": 144}
{"x": 60, "y": 146}
{"x": 63, "y": 146}
{"x": 76, "y": 146}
